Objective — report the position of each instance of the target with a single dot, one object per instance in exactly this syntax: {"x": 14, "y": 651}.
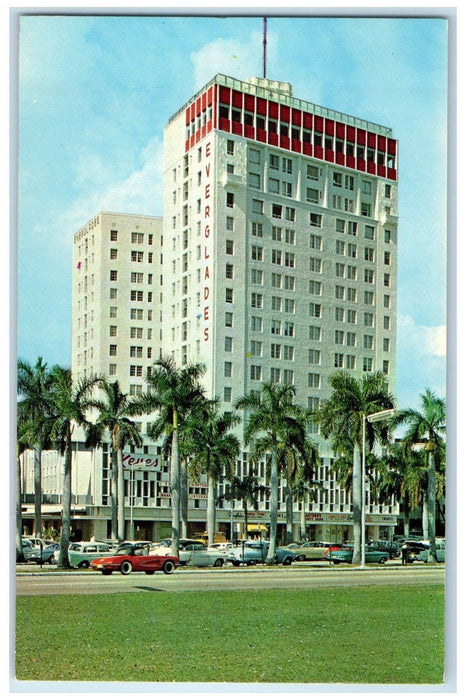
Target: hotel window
{"x": 229, "y": 247}
{"x": 339, "y": 247}
{"x": 276, "y": 280}
{"x": 369, "y": 254}
{"x": 351, "y": 294}
{"x": 275, "y": 374}
{"x": 367, "y": 363}
{"x": 257, "y": 276}
{"x": 256, "y": 229}
{"x": 256, "y": 372}
{"x": 315, "y": 265}
{"x": 351, "y": 339}
{"x": 256, "y": 300}
{"x": 135, "y": 389}
{"x": 257, "y": 253}
{"x": 386, "y": 301}
{"x": 315, "y": 242}
{"x": 257, "y": 206}
{"x": 228, "y": 344}
{"x": 137, "y": 238}
{"x": 288, "y": 376}
{"x": 136, "y": 314}
{"x": 113, "y": 275}
{"x": 369, "y": 298}
{"x": 277, "y": 211}
{"x": 315, "y": 333}
{"x": 368, "y": 342}
{"x": 388, "y": 236}
{"x": 230, "y": 144}
{"x": 227, "y": 369}
{"x": 137, "y": 277}
{"x": 230, "y": 169}
{"x": 230, "y": 199}
{"x": 289, "y": 259}
{"x": 287, "y": 163}
{"x": 340, "y": 225}
{"x": 386, "y": 280}
{"x": 369, "y": 276}
{"x": 339, "y": 314}
{"x": 313, "y": 357}
{"x": 387, "y": 258}
{"x": 386, "y": 344}
{"x": 385, "y": 366}
{"x": 349, "y": 182}
{"x": 275, "y": 351}
{"x": 112, "y": 331}
{"x": 339, "y": 337}
{"x": 315, "y": 310}
{"x": 351, "y": 272}
{"x": 113, "y": 253}
{"x": 230, "y": 223}
{"x": 388, "y": 190}
{"x": 112, "y": 369}
{"x": 312, "y": 172}
{"x": 349, "y": 205}
{"x": 337, "y": 179}
{"x": 256, "y": 324}
{"x": 366, "y": 187}
{"x": 339, "y": 269}
{"x": 228, "y": 319}
{"x": 274, "y": 161}
{"x": 276, "y": 233}
{"x": 315, "y": 220}
{"x": 229, "y": 296}
{"x": 288, "y": 353}
{"x": 274, "y": 185}
{"x": 135, "y": 332}
{"x": 339, "y": 292}
{"x": 112, "y": 350}
{"x": 338, "y": 359}
{"x": 313, "y": 380}
{"x": 289, "y": 283}
{"x": 254, "y": 181}
{"x": 351, "y": 250}
{"x": 352, "y": 228}
{"x": 227, "y": 394}
{"x": 114, "y": 236}
{"x": 290, "y": 306}
{"x": 256, "y": 348}
{"x": 290, "y": 213}
{"x": 255, "y": 155}
{"x": 277, "y": 257}
{"x": 137, "y": 256}
{"x": 135, "y": 351}
{"x": 276, "y": 304}
{"x": 136, "y": 295}
{"x": 275, "y": 327}
{"x": 229, "y": 271}
{"x": 351, "y": 315}
{"x": 369, "y": 320}
{"x": 366, "y": 209}
{"x": 288, "y": 329}
{"x": 287, "y": 190}
{"x": 386, "y": 323}
{"x": 350, "y": 362}
{"x": 369, "y": 232}
{"x": 113, "y": 312}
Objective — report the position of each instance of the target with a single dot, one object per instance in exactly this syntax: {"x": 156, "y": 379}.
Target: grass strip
{"x": 368, "y": 634}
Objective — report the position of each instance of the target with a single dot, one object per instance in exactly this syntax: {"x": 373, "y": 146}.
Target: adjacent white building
{"x": 276, "y": 260}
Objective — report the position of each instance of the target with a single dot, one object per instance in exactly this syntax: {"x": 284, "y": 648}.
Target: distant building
{"x": 276, "y": 260}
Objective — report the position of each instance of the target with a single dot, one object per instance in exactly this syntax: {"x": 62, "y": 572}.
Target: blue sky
{"x": 95, "y": 94}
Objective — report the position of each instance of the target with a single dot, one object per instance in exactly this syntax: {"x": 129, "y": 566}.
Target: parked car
{"x": 194, "y": 553}
{"x": 26, "y": 546}
{"x": 422, "y": 555}
{"x": 80, "y": 554}
{"x": 134, "y": 557}
{"x": 415, "y": 547}
{"x": 392, "y": 548}
{"x": 222, "y": 547}
{"x": 255, "y": 552}
{"x": 345, "y": 555}
{"x": 44, "y": 554}
{"x": 310, "y": 550}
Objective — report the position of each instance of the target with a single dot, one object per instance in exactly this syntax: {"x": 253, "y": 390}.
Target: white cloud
{"x": 423, "y": 340}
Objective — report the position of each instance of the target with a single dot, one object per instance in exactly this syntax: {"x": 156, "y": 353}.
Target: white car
{"x": 439, "y": 549}
{"x": 193, "y": 553}
{"x": 80, "y": 554}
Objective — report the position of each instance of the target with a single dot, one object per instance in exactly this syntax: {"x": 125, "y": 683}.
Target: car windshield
{"x": 125, "y": 549}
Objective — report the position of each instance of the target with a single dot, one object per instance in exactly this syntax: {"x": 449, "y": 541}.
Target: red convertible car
{"x": 134, "y": 557}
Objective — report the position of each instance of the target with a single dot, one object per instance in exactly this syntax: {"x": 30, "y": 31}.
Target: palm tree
{"x": 70, "y": 403}
{"x": 114, "y": 408}
{"x": 245, "y": 489}
{"x": 273, "y": 418}
{"x": 404, "y": 477}
{"x": 213, "y": 449}
{"x": 172, "y": 392}
{"x": 427, "y": 427}
{"x": 341, "y": 417}
{"x": 20, "y": 447}
{"x": 33, "y": 386}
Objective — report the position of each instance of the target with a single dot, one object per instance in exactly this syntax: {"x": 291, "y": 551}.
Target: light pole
{"x": 371, "y": 418}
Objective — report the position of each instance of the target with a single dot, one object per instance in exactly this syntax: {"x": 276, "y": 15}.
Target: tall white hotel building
{"x": 277, "y": 261}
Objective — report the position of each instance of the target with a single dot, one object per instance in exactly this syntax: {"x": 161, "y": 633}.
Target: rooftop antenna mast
{"x": 264, "y": 42}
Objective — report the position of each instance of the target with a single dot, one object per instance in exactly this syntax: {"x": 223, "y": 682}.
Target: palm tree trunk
{"x": 175, "y": 487}
{"x": 184, "y": 498}
{"x": 63, "y": 560}
{"x": 357, "y": 501}
{"x": 245, "y": 507}
{"x": 289, "y": 514}
{"x": 303, "y": 520}
{"x": 37, "y": 490}
{"x": 114, "y": 495}
{"x": 19, "y": 520}
{"x": 406, "y": 512}
{"x": 121, "y": 497}
{"x": 425, "y": 516}
{"x": 432, "y": 555}
{"x": 211, "y": 481}
{"x": 270, "y": 559}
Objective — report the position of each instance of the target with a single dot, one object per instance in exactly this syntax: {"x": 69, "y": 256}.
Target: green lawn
{"x": 334, "y": 635}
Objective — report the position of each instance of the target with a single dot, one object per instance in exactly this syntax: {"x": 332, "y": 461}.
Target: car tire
{"x": 287, "y": 561}
{"x": 382, "y": 560}
{"x": 218, "y": 562}
{"x": 126, "y": 568}
{"x": 83, "y": 565}
{"x": 168, "y": 567}
{"x": 253, "y": 562}
{"x": 235, "y": 563}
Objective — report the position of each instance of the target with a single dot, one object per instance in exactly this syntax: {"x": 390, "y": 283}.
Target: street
{"x": 227, "y": 579}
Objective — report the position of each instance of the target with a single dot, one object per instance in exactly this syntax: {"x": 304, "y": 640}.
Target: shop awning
{"x": 255, "y": 528}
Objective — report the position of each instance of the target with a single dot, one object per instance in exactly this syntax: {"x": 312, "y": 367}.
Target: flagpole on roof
{"x": 265, "y": 48}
